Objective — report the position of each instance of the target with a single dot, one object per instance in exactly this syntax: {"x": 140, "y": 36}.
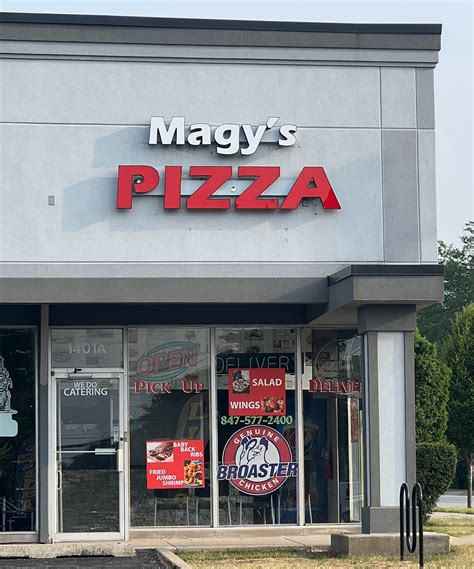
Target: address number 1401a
{"x": 86, "y": 348}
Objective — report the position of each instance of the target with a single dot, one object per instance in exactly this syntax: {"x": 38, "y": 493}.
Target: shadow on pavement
{"x": 144, "y": 559}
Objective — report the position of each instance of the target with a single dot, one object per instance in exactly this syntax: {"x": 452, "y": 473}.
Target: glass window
{"x": 88, "y": 348}
{"x": 169, "y": 377}
{"x": 257, "y": 470}
{"x": 332, "y": 407}
{"x": 17, "y": 430}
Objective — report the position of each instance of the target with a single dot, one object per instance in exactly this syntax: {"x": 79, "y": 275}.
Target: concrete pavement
{"x": 465, "y": 540}
{"x": 228, "y": 543}
{"x": 452, "y": 515}
{"x": 160, "y": 553}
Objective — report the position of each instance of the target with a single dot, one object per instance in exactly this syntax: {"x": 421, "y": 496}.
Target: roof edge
{"x": 195, "y": 23}
{"x": 386, "y": 271}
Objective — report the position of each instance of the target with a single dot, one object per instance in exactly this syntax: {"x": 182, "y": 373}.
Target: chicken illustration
{"x": 253, "y": 451}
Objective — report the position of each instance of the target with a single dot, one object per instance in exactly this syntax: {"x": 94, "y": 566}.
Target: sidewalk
{"x": 451, "y": 515}
{"x": 174, "y": 545}
{"x": 227, "y": 543}
{"x": 466, "y": 540}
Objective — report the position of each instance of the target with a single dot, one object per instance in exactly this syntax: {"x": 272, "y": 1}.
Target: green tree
{"x": 435, "y": 468}
{"x": 435, "y": 323}
{"x": 432, "y": 377}
{"x": 460, "y": 357}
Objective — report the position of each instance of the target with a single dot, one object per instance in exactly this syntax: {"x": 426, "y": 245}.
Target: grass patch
{"x": 460, "y": 557}
{"x": 457, "y": 527}
{"x": 243, "y": 554}
{"x": 455, "y": 510}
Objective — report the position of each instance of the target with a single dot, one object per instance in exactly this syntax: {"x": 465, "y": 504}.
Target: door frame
{"x": 99, "y": 373}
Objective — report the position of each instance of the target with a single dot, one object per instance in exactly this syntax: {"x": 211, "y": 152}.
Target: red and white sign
{"x": 257, "y": 460}
{"x": 312, "y": 182}
{"x": 257, "y": 392}
{"x": 175, "y": 464}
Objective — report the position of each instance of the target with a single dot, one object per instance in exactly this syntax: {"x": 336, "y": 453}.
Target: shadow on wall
{"x": 88, "y": 202}
{"x": 93, "y": 201}
{"x": 127, "y": 145}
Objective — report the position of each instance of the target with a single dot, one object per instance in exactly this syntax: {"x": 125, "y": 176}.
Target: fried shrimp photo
{"x": 193, "y": 473}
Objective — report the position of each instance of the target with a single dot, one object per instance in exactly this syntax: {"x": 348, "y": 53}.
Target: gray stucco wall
{"x": 72, "y": 112}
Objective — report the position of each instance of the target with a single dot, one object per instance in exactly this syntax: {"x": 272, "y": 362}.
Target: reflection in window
{"x": 87, "y": 426}
{"x": 257, "y": 471}
{"x": 169, "y": 378}
{"x": 332, "y": 406}
{"x": 17, "y": 430}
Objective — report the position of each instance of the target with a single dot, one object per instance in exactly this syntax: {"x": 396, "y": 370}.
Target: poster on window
{"x": 257, "y": 460}
{"x": 174, "y": 464}
{"x": 257, "y": 392}
{"x": 354, "y": 420}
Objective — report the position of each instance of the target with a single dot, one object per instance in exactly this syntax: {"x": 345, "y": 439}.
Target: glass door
{"x": 89, "y": 455}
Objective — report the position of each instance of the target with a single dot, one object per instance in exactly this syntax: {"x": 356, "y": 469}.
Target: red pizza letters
{"x": 311, "y": 183}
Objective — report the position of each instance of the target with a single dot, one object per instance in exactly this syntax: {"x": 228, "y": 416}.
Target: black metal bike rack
{"x": 408, "y": 529}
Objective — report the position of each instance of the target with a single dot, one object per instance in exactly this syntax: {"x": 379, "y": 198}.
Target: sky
{"x": 453, "y": 75}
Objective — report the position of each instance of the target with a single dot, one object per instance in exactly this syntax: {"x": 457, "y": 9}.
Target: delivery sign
{"x": 174, "y": 464}
{"x": 256, "y": 391}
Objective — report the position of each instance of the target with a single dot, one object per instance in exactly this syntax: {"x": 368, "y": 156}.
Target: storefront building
{"x": 215, "y": 237}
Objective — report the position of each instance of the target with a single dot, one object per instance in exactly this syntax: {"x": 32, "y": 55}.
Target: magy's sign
{"x": 227, "y": 137}
{"x": 312, "y": 181}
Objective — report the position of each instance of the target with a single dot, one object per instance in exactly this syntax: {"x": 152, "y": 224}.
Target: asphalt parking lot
{"x": 144, "y": 559}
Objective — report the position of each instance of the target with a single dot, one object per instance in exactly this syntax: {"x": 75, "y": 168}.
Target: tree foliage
{"x": 460, "y": 357}
{"x": 435, "y": 467}
{"x": 435, "y": 323}
{"x": 432, "y": 377}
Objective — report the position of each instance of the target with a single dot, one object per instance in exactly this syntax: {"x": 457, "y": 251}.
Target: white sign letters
{"x": 227, "y": 137}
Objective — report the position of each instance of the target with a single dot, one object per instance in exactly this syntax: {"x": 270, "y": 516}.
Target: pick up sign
{"x": 257, "y": 392}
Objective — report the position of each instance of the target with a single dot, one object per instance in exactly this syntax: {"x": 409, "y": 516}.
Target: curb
{"x": 51, "y": 551}
{"x": 171, "y": 560}
{"x": 239, "y": 547}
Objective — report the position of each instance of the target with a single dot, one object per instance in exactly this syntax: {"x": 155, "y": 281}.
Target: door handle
{"x": 104, "y": 451}
{"x": 60, "y": 479}
{"x": 120, "y": 460}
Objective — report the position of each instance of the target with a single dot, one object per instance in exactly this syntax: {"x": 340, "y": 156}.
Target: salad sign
{"x": 174, "y": 464}
{"x": 257, "y": 460}
{"x": 257, "y": 392}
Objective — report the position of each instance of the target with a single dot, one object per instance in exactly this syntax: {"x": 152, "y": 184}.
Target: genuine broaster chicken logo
{"x": 257, "y": 460}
